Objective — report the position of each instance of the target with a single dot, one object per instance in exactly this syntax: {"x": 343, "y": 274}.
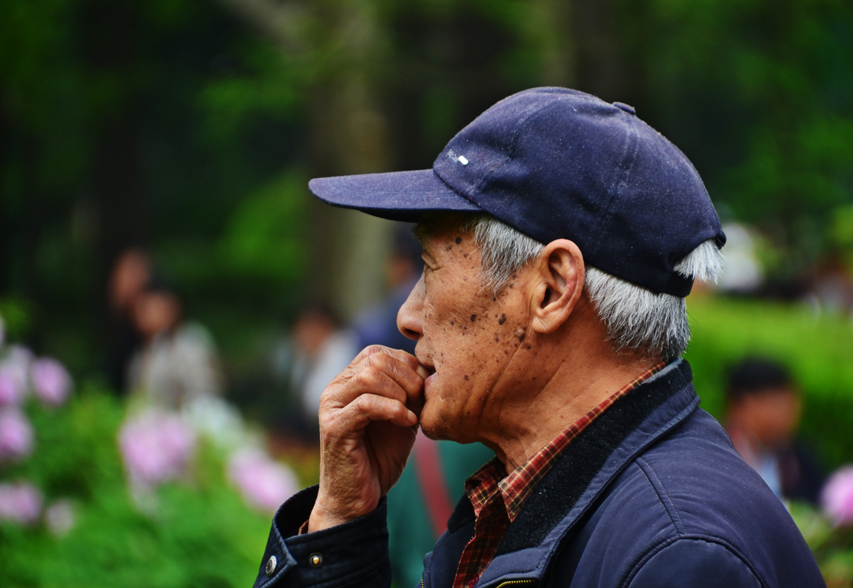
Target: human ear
{"x": 559, "y": 274}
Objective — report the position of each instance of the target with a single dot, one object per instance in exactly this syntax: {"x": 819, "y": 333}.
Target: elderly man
{"x": 560, "y": 235}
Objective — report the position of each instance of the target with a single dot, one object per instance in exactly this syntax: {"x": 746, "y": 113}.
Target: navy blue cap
{"x": 557, "y": 163}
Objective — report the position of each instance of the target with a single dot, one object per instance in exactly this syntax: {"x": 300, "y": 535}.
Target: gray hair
{"x": 636, "y": 319}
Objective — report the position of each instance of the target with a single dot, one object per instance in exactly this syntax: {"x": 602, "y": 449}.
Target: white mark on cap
{"x": 457, "y": 158}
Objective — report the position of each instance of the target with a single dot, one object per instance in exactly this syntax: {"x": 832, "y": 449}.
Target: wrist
{"x": 321, "y": 518}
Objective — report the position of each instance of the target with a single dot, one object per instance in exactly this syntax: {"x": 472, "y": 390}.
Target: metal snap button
{"x": 315, "y": 560}
{"x": 272, "y": 563}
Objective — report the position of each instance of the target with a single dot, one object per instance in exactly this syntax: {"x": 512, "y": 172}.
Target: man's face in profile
{"x": 467, "y": 337}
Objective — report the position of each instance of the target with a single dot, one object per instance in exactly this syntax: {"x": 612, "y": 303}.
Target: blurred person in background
{"x": 763, "y": 408}
{"x": 178, "y": 362}
{"x": 318, "y": 348}
{"x": 131, "y": 271}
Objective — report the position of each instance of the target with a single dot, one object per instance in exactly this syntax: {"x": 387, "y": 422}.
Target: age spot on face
{"x": 473, "y": 317}
{"x": 502, "y": 320}
{"x": 458, "y": 240}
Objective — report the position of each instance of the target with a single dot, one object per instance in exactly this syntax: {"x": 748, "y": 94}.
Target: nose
{"x": 410, "y": 314}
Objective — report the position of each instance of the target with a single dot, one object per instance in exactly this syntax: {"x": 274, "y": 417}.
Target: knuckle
{"x": 374, "y": 349}
{"x": 368, "y": 377}
{"x": 369, "y": 404}
{"x": 377, "y": 360}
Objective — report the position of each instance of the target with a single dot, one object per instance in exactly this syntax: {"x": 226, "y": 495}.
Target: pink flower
{"x": 837, "y": 496}
{"x": 13, "y": 375}
{"x": 156, "y": 446}
{"x": 51, "y": 382}
{"x": 264, "y": 483}
{"x": 20, "y": 503}
{"x": 11, "y": 392}
{"x": 16, "y": 435}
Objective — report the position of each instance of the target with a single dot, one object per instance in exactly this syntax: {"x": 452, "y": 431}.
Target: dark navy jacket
{"x": 651, "y": 494}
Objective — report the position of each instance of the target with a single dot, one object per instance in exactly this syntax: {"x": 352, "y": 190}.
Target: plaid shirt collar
{"x": 516, "y": 487}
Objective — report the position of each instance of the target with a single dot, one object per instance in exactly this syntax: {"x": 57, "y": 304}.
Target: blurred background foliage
{"x": 191, "y": 128}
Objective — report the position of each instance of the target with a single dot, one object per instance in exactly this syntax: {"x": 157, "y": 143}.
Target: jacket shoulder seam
{"x": 657, "y": 548}
{"x": 662, "y": 494}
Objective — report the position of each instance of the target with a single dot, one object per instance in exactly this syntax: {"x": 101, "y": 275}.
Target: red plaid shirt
{"x": 498, "y": 498}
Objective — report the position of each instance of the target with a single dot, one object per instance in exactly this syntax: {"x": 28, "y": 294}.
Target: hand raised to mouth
{"x": 368, "y": 423}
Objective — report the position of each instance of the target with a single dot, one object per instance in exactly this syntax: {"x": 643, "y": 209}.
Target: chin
{"x": 435, "y": 429}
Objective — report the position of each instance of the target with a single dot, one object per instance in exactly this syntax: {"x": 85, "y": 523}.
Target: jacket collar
{"x": 591, "y": 462}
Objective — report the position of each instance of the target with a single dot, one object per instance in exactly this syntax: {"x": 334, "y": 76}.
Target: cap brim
{"x": 401, "y": 196}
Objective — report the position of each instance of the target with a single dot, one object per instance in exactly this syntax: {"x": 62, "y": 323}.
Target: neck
{"x": 561, "y": 387}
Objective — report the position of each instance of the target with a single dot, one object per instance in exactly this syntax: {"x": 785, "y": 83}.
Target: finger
{"x": 378, "y": 373}
{"x": 399, "y": 354}
{"x": 371, "y": 407}
{"x": 404, "y": 357}
{"x": 400, "y": 366}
